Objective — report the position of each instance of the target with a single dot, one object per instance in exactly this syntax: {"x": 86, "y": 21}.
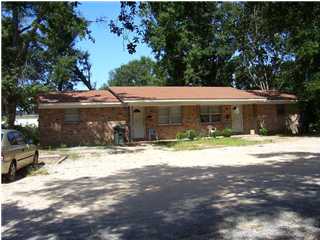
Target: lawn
{"x": 203, "y": 143}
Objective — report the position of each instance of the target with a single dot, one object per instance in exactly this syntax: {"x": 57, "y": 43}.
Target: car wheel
{"x": 12, "y": 172}
{"x": 35, "y": 160}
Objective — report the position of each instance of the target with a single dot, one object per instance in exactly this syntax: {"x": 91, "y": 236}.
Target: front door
{"x": 237, "y": 119}
{"x": 138, "y": 123}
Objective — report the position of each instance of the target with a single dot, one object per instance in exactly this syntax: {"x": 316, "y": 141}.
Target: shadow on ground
{"x": 276, "y": 201}
{"x": 22, "y": 173}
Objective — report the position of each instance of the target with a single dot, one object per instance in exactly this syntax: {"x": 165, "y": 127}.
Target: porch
{"x": 164, "y": 122}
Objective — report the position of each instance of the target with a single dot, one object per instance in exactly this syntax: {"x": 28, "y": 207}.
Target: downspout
{"x": 128, "y": 108}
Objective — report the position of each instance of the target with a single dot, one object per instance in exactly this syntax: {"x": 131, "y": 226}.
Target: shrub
{"x": 30, "y": 132}
{"x": 215, "y": 133}
{"x": 191, "y": 134}
{"x": 263, "y": 131}
{"x": 181, "y": 135}
{"x": 62, "y": 145}
{"x": 227, "y": 132}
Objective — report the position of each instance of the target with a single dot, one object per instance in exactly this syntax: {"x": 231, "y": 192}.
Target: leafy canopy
{"x": 140, "y": 72}
{"x": 39, "y": 53}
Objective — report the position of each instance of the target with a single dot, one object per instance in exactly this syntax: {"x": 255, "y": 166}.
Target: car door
{"x": 27, "y": 154}
{"x": 16, "y": 151}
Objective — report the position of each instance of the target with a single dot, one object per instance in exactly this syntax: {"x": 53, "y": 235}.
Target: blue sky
{"x": 108, "y": 51}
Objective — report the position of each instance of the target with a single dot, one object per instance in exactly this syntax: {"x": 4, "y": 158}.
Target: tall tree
{"x": 38, "y": 51}
{"x": 261, "y": 54}
{"x": 189, "y": 40}
{"x": 301, "y": 22}
{"x": 142, "y": 72}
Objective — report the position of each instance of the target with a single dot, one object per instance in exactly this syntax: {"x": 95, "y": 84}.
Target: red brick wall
{"x": 190, "y": 120}
{"x": 275, "y": 123}
{"x": 95, "y": 126}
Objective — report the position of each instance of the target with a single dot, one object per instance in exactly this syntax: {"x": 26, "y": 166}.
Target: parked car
{"x": 16, "y": 153}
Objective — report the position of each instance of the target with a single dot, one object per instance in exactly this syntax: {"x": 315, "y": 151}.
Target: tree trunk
{"x": 11, "y": 113}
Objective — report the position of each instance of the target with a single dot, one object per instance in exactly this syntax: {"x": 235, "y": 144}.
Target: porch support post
{"x": 130, "y": 123}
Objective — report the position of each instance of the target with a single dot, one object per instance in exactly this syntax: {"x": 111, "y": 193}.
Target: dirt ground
{"x": 266, "y": 191}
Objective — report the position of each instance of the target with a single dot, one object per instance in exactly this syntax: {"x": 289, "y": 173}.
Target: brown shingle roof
{"x": 274, "y": 95}
{"x": 181, "y": 93}
{"x": 159, "y": 93}
{"x": 78, "y": 96}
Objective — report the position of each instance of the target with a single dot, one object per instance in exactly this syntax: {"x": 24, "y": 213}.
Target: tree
{"x": 261, "y": 55}
{"x": 302, "y": 23}
{"x": 38, "y": 51}
{"x": 189, "y": 40}
{"x": 140, "y": 72}
{"x": 272, "y": 45}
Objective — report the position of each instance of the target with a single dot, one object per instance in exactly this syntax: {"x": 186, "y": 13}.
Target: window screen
{"x": 170, "y": 115}
{"x": 71, "y": 115}
{"x": 210, "y": 114}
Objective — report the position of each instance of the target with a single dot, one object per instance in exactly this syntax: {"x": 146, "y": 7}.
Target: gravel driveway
{"x": 268, "y": 191}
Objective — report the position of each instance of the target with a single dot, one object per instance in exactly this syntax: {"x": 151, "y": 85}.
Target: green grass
{"x": 73, "y": 156}
{"x": 31, "y": 171}
{"x": 204, "y": 143}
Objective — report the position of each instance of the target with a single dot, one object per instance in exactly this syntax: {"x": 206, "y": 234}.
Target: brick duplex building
{"x": 89, "y": 117}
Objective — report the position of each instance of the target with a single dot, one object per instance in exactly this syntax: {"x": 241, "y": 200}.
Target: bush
{"x": 181, "y": 135}
{"x": 263, "y": 131}
{"x": 30, "y": 132}
{"x": 215, "y": 133}
{"x": 191, "y": 134}
{"x": 227, "y": 132}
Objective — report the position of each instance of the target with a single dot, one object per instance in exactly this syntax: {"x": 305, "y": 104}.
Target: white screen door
{"x": 138, "y": 123}
{"x": 237, "y": 119}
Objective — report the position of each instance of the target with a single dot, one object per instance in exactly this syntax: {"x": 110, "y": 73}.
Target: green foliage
{"x": 186, "y": 43}
{"x": 215, "y": 133}
{"x": 191, "y": 134}
{"x": 39, "y": 53}
{"x": 31, "y": 132}
{"x": 181, "y": 135}
{"x": 142, "y": 72}
{"x": 249, "y": 45}
{"x": 263, "y": 131}
{"x": 188, "y": 134}
{"x": 227, "y": 132}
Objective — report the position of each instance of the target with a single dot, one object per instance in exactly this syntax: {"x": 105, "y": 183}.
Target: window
{"x": 71, "y": 116}
{"x": 16, "y": 138}
{"x": 11, "y": 138}
{"x": 19, "y": 138}
{"x": 210, "y": 114}
{"x": 170, "y": 115}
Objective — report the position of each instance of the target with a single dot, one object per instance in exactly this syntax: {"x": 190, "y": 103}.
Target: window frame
{"x": 211, "y": 114}
{"x": 170, "y": 115}
{"x": 77, "y": 110}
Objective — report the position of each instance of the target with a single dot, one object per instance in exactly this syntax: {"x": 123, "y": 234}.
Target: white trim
{"x": 280, "y": 101}
{"x": 78, "y": 105}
